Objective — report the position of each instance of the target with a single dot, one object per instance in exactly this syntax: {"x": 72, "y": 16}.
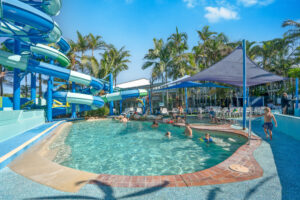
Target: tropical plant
{"x": 95, "y": 43}
{"x": 82, "y": 43}
{"x": 159, "y": 58}
{"x": 294, "y": 32}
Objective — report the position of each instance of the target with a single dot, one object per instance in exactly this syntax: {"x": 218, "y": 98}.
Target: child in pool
{"x": 188, "y": 130}
{"x": 268, "y": 125}
{"x": 168, "y": 134}
{"x": 207, "y": 138}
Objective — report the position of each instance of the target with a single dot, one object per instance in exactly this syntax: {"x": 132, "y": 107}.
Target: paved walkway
{"x": 279, "y": 159}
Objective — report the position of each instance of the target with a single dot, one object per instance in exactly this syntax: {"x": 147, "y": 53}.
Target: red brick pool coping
{"x": 217, "y": 174}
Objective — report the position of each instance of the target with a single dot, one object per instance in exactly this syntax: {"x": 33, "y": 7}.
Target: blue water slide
{"x": 51, "y": 7}
{"x": 63, "y": 45}
{"x": 78, "y": 98}
{"x": 66, "y": 74}
{"x": 26, "y": 20}
{"x": 26, "y": 15}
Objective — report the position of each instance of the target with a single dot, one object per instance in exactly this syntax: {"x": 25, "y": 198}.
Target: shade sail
{"x": 189, "y": 84}
{"x": 230, "y": 71}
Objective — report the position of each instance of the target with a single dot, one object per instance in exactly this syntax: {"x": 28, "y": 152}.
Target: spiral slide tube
{"x": 30, "y": 22}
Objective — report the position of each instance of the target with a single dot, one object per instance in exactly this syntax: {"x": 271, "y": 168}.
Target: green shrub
{"x": 101, "y": 112}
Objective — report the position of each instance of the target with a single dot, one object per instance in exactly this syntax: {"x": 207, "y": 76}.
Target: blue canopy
{"x": 189, "y": 84}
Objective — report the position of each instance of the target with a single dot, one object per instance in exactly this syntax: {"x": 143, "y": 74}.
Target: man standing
{"x": 284, "y": 103}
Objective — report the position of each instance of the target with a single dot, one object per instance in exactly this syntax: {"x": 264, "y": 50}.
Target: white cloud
{"x": 248, "y": 3}
{"x": 190, "y": 3}
{"x": 214, "y": 14}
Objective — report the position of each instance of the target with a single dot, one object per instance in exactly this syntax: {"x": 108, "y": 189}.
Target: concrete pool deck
{"x": 277, "y": 182}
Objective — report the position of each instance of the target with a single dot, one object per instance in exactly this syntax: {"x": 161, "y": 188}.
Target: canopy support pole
{"x": 244, "y": 86}
{"x": 186, "y": 101}
{"x": 111, "y": 90}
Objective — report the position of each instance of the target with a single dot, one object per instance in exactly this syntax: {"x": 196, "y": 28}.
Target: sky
{"x": 134, "y": 23}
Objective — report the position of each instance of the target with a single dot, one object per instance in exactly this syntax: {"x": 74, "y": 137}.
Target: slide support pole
{"x": 17, "y": 81}
{"x": 73, "y": 116}
{"x": 244, "y": 86}
{"x": 49, "y": 97}
{"x": 144, "y": 106}
{"x": 111, "y": 90}
{"x": 33, "y": 87}
{"x": 186, "y": 101}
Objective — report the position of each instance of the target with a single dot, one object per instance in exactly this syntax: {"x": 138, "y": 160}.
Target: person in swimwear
{"x": 268, "y": 125}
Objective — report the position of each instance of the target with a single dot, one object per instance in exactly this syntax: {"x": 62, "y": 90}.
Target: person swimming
{"x": 155, "y": 124}
{"x": 124, "y": 120}
{"x": 180, "y": 120}
{"x": 188, "y": 130}
{"x": 207, "y": 138}
{"x": 168, "y": 134}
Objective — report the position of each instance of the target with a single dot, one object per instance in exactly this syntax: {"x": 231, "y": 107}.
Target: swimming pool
{"x": 195, "y": 120}
{"x": 110, "y": 147}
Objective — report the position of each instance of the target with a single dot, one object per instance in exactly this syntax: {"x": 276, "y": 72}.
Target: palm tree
{"x": 178, "y": 45}
{"x": 72, "y": 54}
{"x": 294, "y": 32}
{"x": 120, "y": 58}
{"x": 205, "y": 34}
{"x": 274, "y": 55}
{"x": 95, "y": 42}
{"x": 82, "y": 43}
{"x": 212, "y": 48}
{"x": 159, "y": 58}
{"x": 113, "y": 61}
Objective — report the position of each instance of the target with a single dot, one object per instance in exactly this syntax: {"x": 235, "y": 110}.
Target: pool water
{"x": 134, "y": 148}
{"x": 195, "y": 120}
